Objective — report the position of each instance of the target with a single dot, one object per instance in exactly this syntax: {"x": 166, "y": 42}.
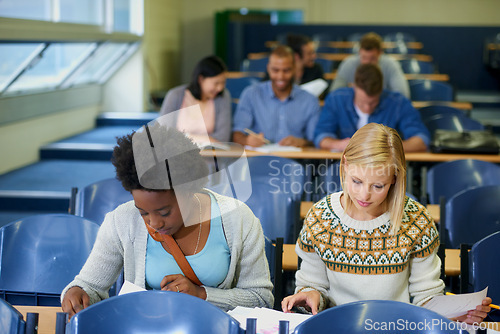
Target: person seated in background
{"x": 206, "y": 89}
{"x": 370, "y": 52}
{"x": 219, "y": 236}
{"x": 276, "y": 110}
{"x": 304, "y": 51}
{"x": 348, "y": 109}
{"x": 370, "y": 241}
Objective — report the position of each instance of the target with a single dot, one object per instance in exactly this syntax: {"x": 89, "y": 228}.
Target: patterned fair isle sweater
{"x": 349, "y": 260}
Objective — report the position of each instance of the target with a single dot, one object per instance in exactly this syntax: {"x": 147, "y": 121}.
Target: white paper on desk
{"x": 129, "y": 287}
{"x": 315, "y": 87}
{"x": 267, "y": 319}
{"x": 452, "y": 306}
{"x": 268, "y": 148}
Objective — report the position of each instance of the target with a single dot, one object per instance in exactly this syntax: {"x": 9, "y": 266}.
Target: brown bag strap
{"x": 180, "y": 259}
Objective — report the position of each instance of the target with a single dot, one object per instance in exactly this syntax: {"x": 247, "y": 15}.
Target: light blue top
{"x": 211, "y": 264}
{"x": 261, "y": 111}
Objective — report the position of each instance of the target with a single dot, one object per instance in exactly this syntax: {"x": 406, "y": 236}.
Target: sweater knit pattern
{"x": 368, "y": 251}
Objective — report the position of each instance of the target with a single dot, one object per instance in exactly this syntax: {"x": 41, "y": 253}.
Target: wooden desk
{"x": 319, "y": 154}
{"x": 454, "y": 104}
{"x": 451, "y": 262}
{"x": 408, "y": 76}
{"x": 349, "y": 45}
{"x": 342, "y": 56}
{"x": 46, "y": 318}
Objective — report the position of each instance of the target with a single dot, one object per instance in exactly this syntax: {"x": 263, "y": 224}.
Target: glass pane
{"x": 57, "y": 61}
{"x": 26, "y": 9}
{"x": 12, "y": 57}
{"x": 81, "y": 11}
{"x": 104, "y": 57}
{"x": 121, "y": 17}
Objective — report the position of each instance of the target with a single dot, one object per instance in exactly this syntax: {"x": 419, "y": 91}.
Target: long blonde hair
{"x": 377, "y": 145}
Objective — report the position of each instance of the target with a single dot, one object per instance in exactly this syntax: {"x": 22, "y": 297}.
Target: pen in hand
{"x": 250, "y": 132}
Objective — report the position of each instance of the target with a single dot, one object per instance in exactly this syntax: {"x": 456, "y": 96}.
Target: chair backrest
{"x": 451, "y": 122}
{"x": 254, "y": 65}
{"x": 368, "y": 317}
{"x": 472, "y": 215}
{"x": 414, "y": 66}
{"x": 277, "y": 210}
{"x": 40, "y": 255}
{"x": 237, "y": 85}
{"x": 328, "y": 180}
{"x": 285, "y": 174}
{"x": 429, "y": 90}
{"x": 451, "y": 177}
{"x": 153, "y": 312}
{"x": 274, "y": 255}
{"x": 399, "y": 37}
{"x": 433, "y": 110}
{"x": 485, "y": 273}
{"x": 326, "y": 64}
{"x": 11, "y": 320}
{"x": 97, "y": 199}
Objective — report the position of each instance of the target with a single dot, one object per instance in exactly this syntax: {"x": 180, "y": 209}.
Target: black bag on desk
{"x": 467, "y": 142}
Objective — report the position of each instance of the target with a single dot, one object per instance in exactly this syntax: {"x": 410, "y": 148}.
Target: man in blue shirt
{"x": 276, "y": 110}
{"x": 348, "y": 109}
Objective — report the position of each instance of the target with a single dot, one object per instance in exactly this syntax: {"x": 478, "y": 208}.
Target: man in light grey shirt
{"x": 370, "y": 52}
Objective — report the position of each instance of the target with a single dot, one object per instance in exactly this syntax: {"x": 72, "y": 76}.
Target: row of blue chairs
{"x": 170, "y": 312}
{"x": 409, "y": 65}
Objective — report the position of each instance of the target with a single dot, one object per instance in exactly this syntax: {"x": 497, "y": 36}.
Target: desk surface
{"x": 451, "y": 262}
{"x": 315, "y": 153}
{"x": 46, "y": 318}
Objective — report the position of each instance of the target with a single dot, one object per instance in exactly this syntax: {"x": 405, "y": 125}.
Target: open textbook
{"x": 315, "y": 87}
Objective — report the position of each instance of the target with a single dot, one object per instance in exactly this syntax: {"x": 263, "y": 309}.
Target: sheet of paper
{"x": 129, "y": 287}
{"x": 274, "y": 148}
{"x": 267, "y": 319}
{"x": 452, "y": 306}
{"x": 315, "y": 87}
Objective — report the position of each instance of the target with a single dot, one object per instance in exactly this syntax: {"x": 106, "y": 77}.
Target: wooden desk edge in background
{"x": 46, "y": 318}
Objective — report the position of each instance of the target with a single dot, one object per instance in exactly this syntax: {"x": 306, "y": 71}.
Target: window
{"x": 51, "y": 66}
{"x": 26, "y": 9}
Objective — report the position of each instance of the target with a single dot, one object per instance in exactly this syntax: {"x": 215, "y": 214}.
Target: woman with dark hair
{"x": 219, "y": 237}
{"x": 206, "y": 89}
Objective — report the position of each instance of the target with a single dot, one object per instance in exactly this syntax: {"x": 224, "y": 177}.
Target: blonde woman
{"x": 370, "y": 241}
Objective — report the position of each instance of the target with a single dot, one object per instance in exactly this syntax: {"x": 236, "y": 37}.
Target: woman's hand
{"x": 75, "y": 300}
{"x": 477, "y": 315}
{"x": 180, "y": 283}
{"x": 309, "y": 299}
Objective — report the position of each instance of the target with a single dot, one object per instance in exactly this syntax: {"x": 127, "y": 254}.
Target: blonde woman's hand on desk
{"x": 308, "y": 299}
{"x": 75, "y": 300}
{"x": 477, "y": 315}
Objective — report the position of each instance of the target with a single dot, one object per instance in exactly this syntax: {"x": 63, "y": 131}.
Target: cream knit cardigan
{"x": 122, "y": 240}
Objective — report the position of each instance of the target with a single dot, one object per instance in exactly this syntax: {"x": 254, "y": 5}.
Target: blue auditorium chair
{"x": 433, "y": 110}
{"x": 277, "y": 210}
{"x": 151, "y": 312}
{"x": 40, "y": 255}
{"x": 482, "y": 273}
{"x": 254, "y": 65}
{"x": 399, "y": 36}
{"x": 286, "y": 173}
{"x": 237, "y": 85}
{"x": 326, "y": 64}
{"x": 471, "y": 215}
{"x": 414, "y": 66}
{"x": 11, "y": 320}
{"x": 451, "y": 122}
{"x": 274, "y": 255}
{"x": 429, "y": 90}
{"x": 451, "y": 177}
{"x": 97, "y": 199}
{"x": 367, "y": 317}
